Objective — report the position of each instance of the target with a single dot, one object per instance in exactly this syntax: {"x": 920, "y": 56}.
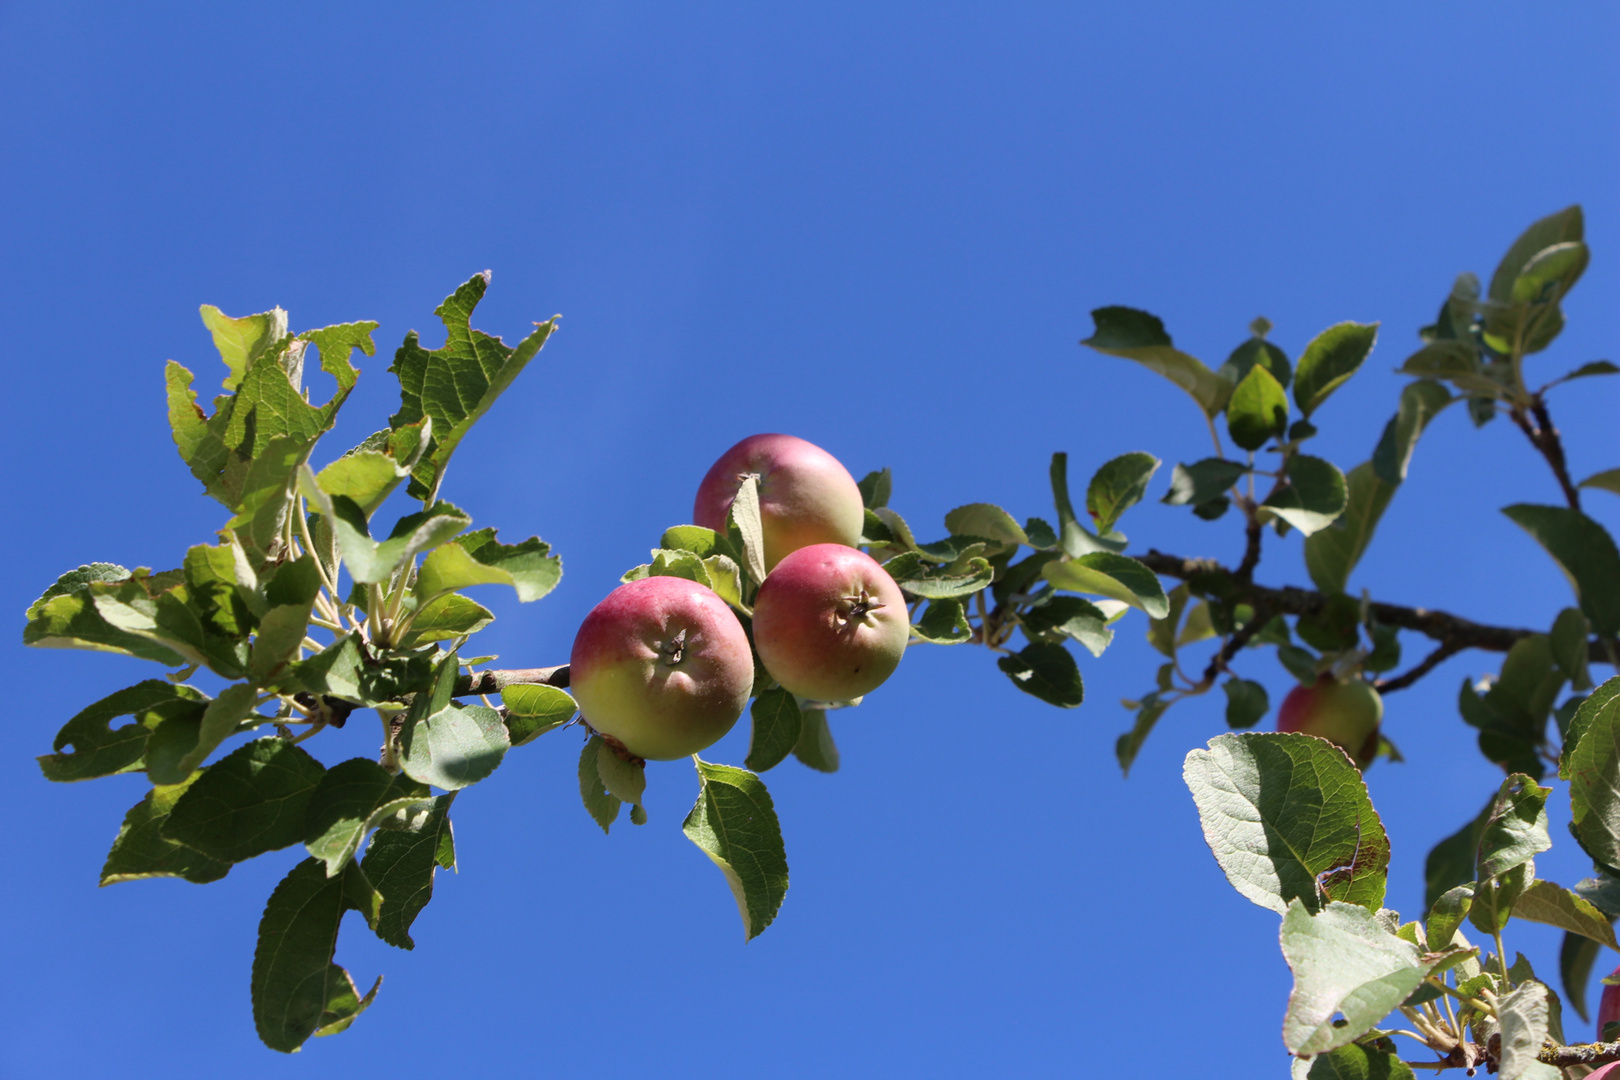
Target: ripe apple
{"x": 830, "y": 623}
{"x": 1345, "y": 713}
{"x": 806, "y": 496}
{"x": 663, "y": 666}
{"x": 1609, "y": 1007}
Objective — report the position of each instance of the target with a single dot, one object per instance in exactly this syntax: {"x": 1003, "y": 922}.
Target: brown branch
{"x": 1210, "y": 579}
{"x": 1599, "y": 1053}
{"x": 1433, "y": 660}
{"x": 491, "y": 682}
{"x": 1544, "y": 437}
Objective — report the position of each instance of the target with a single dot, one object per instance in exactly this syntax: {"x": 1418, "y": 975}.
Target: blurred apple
{"x": 1346, "y": 713}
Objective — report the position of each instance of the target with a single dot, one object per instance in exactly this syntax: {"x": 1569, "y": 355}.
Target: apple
{"x": 830, "y": 624}
{"x": 806, "y": 496}
{"x": 1609, "y": 1007}
{"x": 1344, "y": 713}
{"x": 663, "y": 666}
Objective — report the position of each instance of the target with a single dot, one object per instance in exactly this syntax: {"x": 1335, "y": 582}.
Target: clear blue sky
{"x": 880, "y": 227}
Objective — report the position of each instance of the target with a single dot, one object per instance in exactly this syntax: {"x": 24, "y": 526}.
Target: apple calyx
{"x": 674, "y": 649}
{"x": 860, "y": 607}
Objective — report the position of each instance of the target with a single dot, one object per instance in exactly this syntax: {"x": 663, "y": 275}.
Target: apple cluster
{"x": 663, "y": 666}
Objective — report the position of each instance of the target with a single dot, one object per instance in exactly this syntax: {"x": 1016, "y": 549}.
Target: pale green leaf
{"x": 1288, "y": 818}
{"x": 734, "y": 824}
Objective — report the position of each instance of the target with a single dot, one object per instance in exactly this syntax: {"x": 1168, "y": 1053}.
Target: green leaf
{"x": 625, "y": 780}
{"x": 876, "y": 488}
{"x": 1115, "y": 576}
{"x": 1047, "y": 671}
{"x": 694, "y": 538}
{"x": 344, "y": 1003}
{"x": 1447, "y": 913}
{"x": 1584, "y": 551}
{"x": 219, "y": 721}
{"x": 944, "y": 622}
{"x": 1569, "y": 647}
{"x": 365, "y": 477}
{"x": 1161, "y": 632}
{"x": 1591, "y": 764}
{"x": 921, "y": 578}
{"x": 815, "y": 747}
{"x": 602, "y": 806}
{"x": 1074, "y": 538}
{"x": 1246, "y": 702}
{"x": 1301, "y": 663}
{"x": 1288, "y": 818}
{"x": 1040, "y": 534}
{"x": 1329, "y": 360}
{"x": 1359, "y": 1061}
{"x": 340, "y": 810}
{"x": 1524, "y": 1016}
{"x": 1494, "y": 899}
{"x": 340, "y": 671}
{"x": 1516, "y": 829}
{"x": 402, "y": 862}
{"x": 1332, "y": 553}
{"x": 985, "y": 520}
{"x": 1256, "y": 352}
{"x": 67, "y": 616}
{"x": 744, "y": 519}
{"x": 1421, "y": 402}
{"x": 99, "y": 749}
{"x": 734, "y": 823}
{"x": 1139, "y": 336}
{"x": 1120, "y": 484}
{"x": 142, "y": 851}
{"x": 458, "y": 383}
{"x": 1346, "y": 964}
{"x": 1258, "y": 411}
{"x": 1545, "y": 902}
{"x": 477, "y": 559}
{"x": 1128, "y": 745}
{"x": 533, "y": 710}
{"x": 1562, "y": 227}
{"x": 777, "y": 726}
{"x": 1607, "y": 480}
{"x": 1071, "y": 617}
{"x": 1202, "y": 482}
{"x": 1576, "y": 955}
{"x": 252, "y": 801}
{"x": 240, "y": 341}
{"x": 1450, "y": 863}
{"x": 1316, "y": 493}
{"x": 295, "y": 981}
{"x": 450, "y": 616}
{"x": 454, "y": 747}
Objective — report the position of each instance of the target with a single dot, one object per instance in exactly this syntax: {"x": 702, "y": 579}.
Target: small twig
{"x": 1446, "y": 650}
{"x": 1544, "y": 437}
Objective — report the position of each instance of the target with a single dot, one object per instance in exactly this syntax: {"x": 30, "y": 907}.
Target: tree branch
{"x": 491, "y": 682}
{"x": 1599, "y": 1053}
{"x": 1212, "y": 580}
{"x": 1429, "y": 663}
{"x": 1544, "y": 437}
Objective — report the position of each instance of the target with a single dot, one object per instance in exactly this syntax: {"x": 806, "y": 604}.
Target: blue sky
{"x": 879, "y": 227}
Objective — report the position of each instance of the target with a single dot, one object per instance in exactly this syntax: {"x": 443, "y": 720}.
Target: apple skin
{"x": 637, "y": 679}
{"x": 1344, "y": 713}
{"x": 806, "y": 496}
{"x": 1609, "y": 1012}
{"x": 815, "y": 634}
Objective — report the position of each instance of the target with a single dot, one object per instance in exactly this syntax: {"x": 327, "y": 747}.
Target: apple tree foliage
{"x": 308, "y": 610}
